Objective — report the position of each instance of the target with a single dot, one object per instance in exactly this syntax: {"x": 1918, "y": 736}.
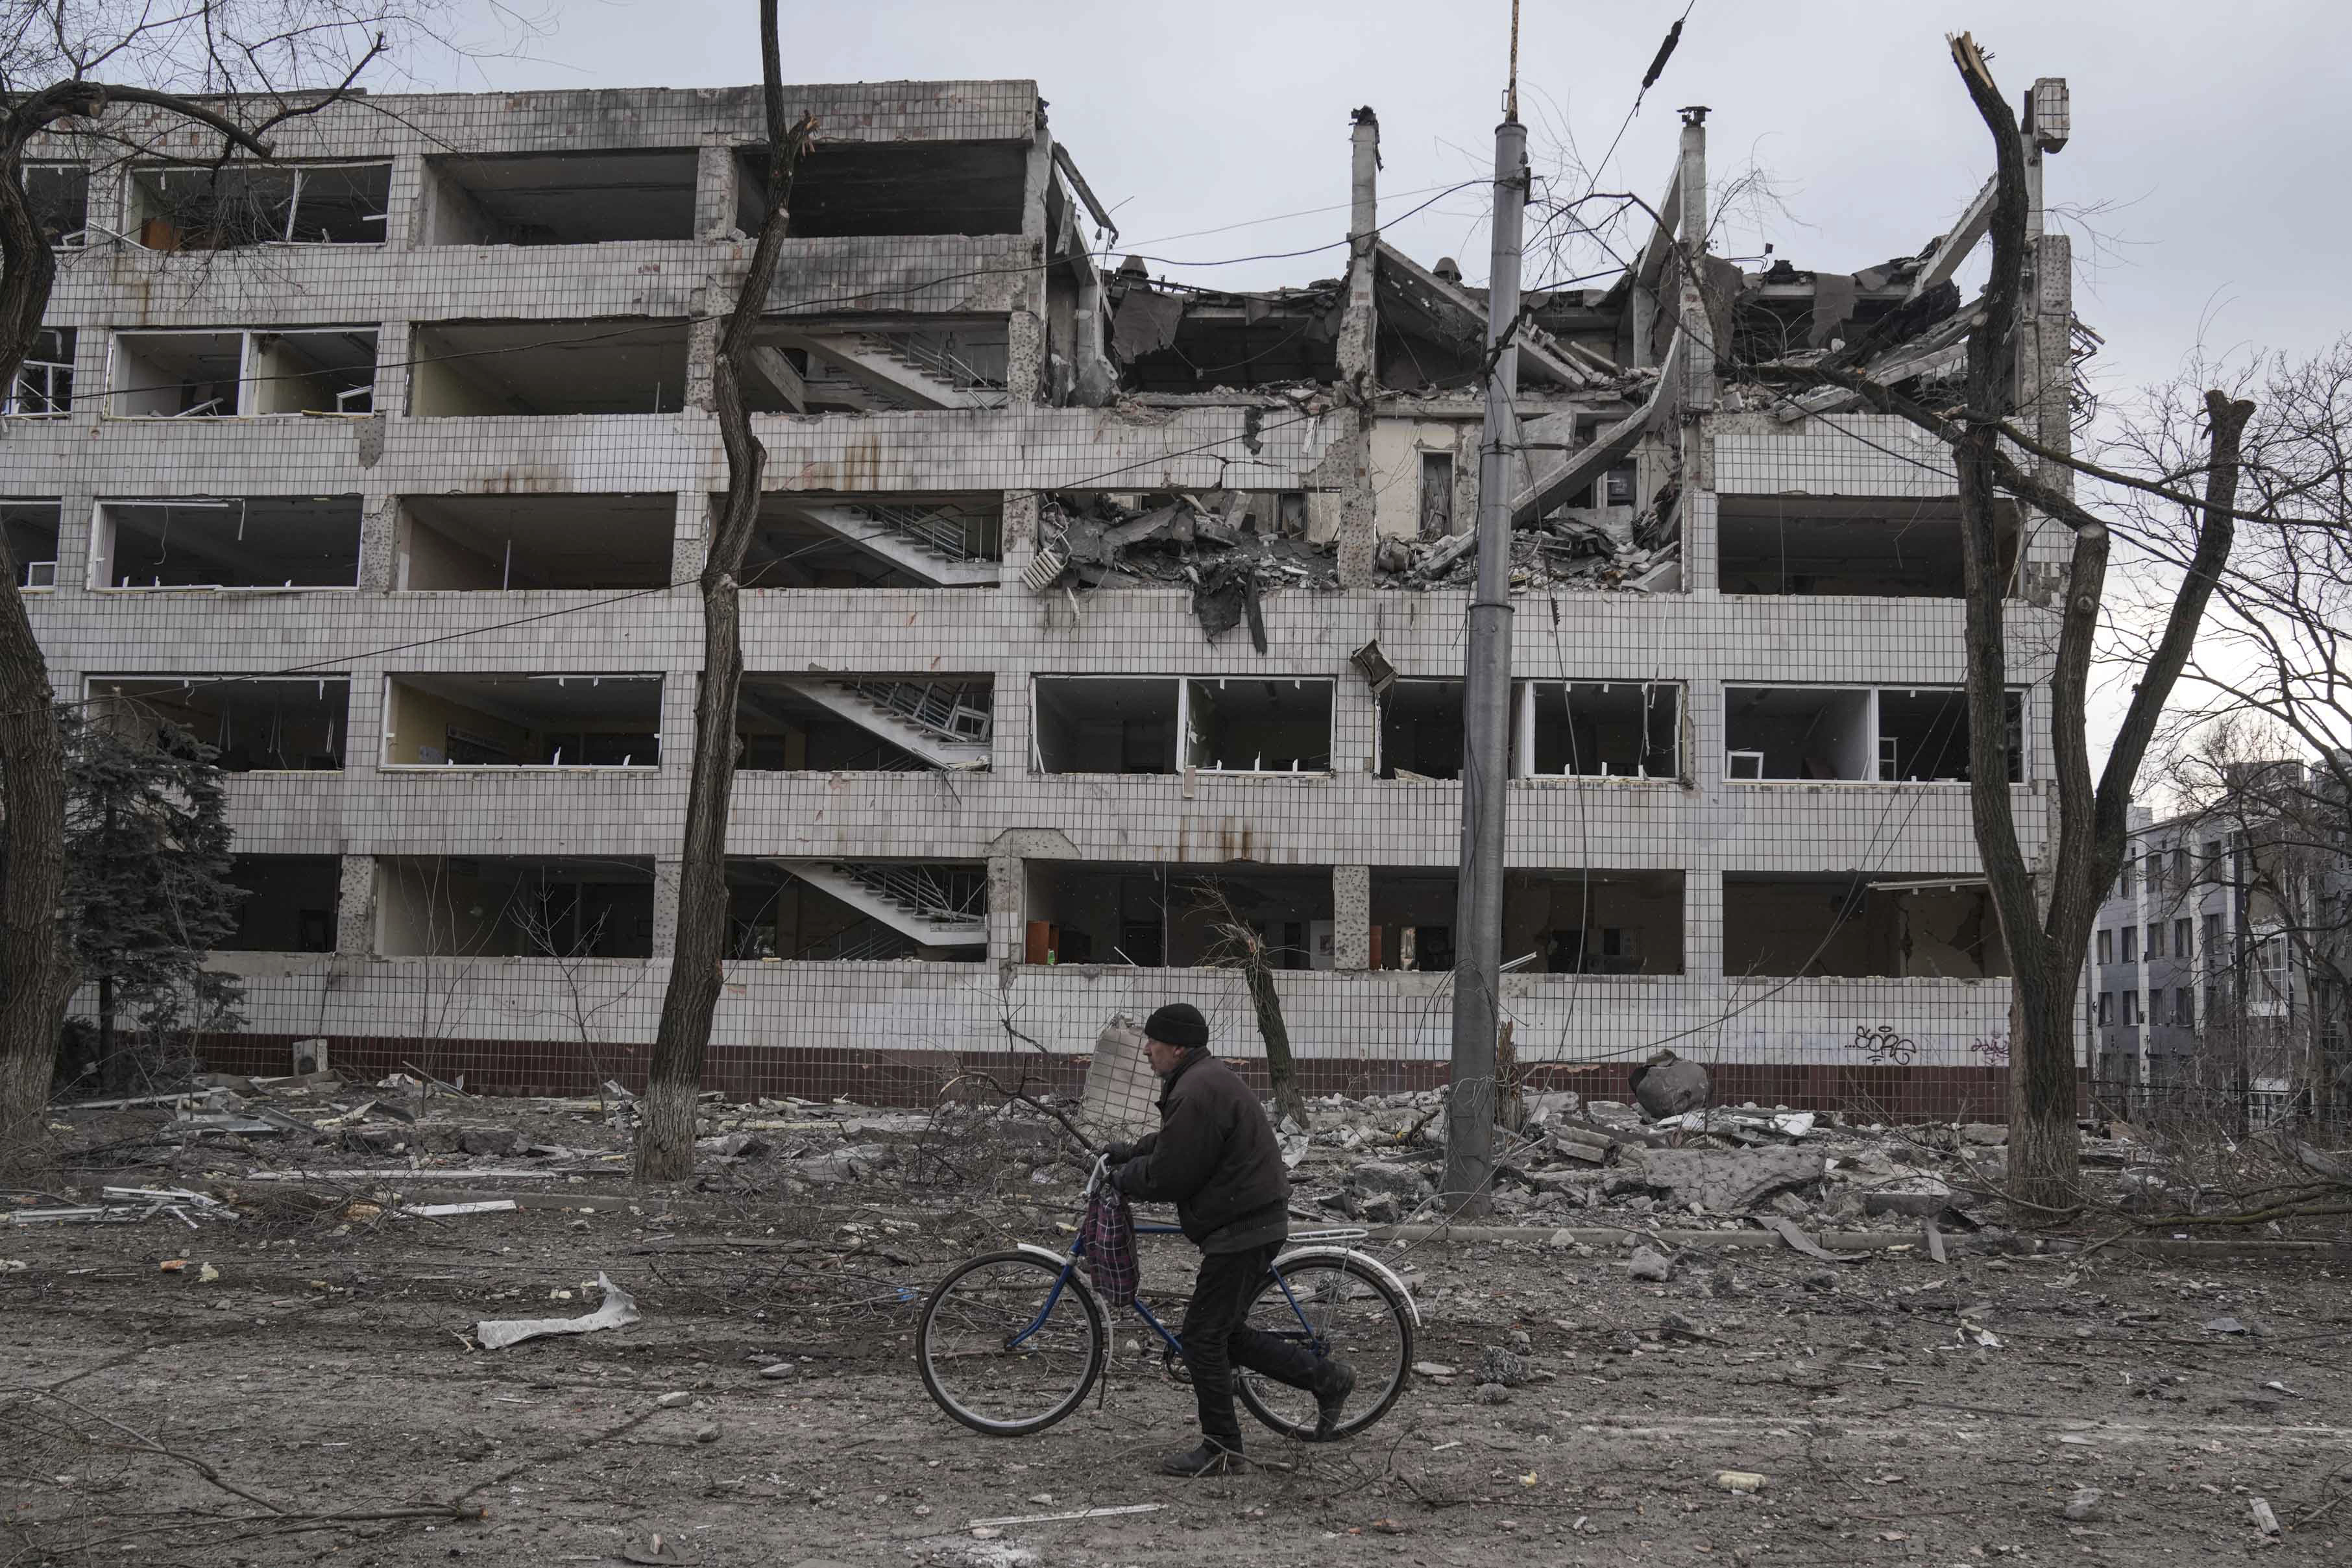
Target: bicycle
{"x": 1011, "y": 1342}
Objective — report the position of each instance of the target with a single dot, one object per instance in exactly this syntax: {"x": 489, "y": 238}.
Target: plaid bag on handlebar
{"x": 1109, "y": 1232}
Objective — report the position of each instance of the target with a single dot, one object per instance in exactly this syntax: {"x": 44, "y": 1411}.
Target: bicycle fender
{"x": 1386, "y": 1273}
{"x": 1078, "y": 1275}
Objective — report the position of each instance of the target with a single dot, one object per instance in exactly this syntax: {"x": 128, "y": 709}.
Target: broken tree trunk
{"x": 1281, "y": 1071}
{"x": 674, "y": 1076}
{"x": 2046, "y": 941}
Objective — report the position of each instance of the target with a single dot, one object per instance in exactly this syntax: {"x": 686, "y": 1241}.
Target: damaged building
{"x": 1078, "y": 597}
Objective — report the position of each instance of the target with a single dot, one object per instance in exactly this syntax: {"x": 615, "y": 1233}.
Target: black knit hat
{"x": 1179, "y": 1023}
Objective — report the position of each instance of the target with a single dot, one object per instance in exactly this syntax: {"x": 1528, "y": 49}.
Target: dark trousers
{"x": 1216, "y": 1340}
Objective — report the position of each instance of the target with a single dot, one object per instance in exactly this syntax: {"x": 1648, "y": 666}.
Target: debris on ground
{"x": 1666, "y": 1085}
{"x": 619, "y": 1311}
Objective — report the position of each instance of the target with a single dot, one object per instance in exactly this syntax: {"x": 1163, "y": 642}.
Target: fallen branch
{"x": 1036, "y": 1104}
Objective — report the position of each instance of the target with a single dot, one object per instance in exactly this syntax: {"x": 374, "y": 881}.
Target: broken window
{"x": 45, "y": 379}
{"x": 1802, "y": 732}
{"x": 1158, "y": 916}
{"x": 523, "y": 721}
{"x": 1256, "y": 725}
{"x": 487, "y": 543}
{"x": 1892, "y": 734}
{"x": 176, "y": 375}
{"x": 1421, "y": 730}
{"x": 1436, "y": 493}
{"x": 233, "y": 541}
{"x": 845, "y": 912}
{"x": 59, "y": 194}
{"x": 289, "y": 903}
{"x": 1604, "y": 729}
{"x": 611, "y": 365}
{"x": 1847, "y": 926}
{"x": 248, "y": 204}
{"x": 563, "y": 198}
{"x": 1554, "y": 921}
{"x": 846, "y": 188}
{"x": 287, "y": 726}
{"x": 467, "y": 906}
{"x": 866, "y": 723}
{"x": 911, "y": 542}
{"x": 1105, "y": 724}
{"x": 1196, "y": 340}
{"x": 1895, "y": 548}
{"x": 31, "y": 529}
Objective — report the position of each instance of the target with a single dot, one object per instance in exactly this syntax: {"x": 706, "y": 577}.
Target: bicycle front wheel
{"x": 1337, "y": 1308}
{"x": 1008, "y": 1346}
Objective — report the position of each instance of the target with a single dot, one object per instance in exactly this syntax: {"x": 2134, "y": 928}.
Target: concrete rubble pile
{"x": 1217, "y": 544}
{"x": 1559, "y": 551}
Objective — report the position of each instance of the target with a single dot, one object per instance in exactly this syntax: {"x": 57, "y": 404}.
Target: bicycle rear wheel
{"x": 1009, "y": 1347}
{"x": 1337, "y": 1308}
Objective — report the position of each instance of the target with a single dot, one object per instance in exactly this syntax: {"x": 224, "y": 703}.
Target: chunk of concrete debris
{"x": 1739, "y": 1480}
{"x": 1494, "y": 1393}
{"x": 1667, "y": 1085}
{"x": 1648, "y": 1263}
{"x": 2085, "y": 1505}
{"x": 2265, "y": 1521}
{"x": 675, "y": 1399}
{"x": 1729, "y": 1183}
{"x": 618, "y": 1311}
{"x": 1503, "y": 1367}
{"x": 776, "y": 1371}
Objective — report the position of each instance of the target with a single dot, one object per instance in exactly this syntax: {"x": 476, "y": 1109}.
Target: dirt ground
{"x": 326, "y": 1370}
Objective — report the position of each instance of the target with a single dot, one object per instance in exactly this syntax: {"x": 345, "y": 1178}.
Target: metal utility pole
{"x": 1486, "y": 709}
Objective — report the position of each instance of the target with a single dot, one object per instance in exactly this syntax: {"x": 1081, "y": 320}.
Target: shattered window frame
{"x": 43, "y": 387}
{"x": 242, "y": 205}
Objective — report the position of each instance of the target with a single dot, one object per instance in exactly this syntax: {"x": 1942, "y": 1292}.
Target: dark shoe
{"x": 1333, "y": 1381}
{"x": 1208, "y": 1460}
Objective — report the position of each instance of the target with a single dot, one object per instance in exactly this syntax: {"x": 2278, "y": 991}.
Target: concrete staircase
{"x": 944, "y": 724}
{"x": 932, "y": 544}
{"x": 902, "y": 370}
{"x": 936, "y": 906}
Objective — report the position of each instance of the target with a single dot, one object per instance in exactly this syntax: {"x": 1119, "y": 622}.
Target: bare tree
{"x": 121, "y": 74}
{"x": 2046, "y": 921}
{"x": 674, "y": 1076}
{"x": 1235, "y": 943}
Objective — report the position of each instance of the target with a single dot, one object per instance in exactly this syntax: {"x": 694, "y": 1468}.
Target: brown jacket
{"x": 1215, "y": 1158}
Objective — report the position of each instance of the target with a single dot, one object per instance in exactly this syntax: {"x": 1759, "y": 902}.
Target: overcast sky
{"x": 2213, "y": 135}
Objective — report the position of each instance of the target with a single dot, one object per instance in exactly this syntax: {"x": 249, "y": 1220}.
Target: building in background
{"x": 387, "y": 469}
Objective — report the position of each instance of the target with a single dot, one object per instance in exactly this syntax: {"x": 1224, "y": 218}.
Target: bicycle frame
{"x": 1070, "y": 1261}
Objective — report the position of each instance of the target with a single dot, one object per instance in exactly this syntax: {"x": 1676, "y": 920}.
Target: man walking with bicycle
{"x": 1215, "y": 1158}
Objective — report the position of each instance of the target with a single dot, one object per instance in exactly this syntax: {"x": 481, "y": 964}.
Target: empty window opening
{"x": 1923, "y": 734}
{"x": 866, "y": 723}
{"x": 176, "y": 375}
{"x": 913, "y": 541}
{"x": 563, "y": 198}
{"x": 1421, "y": 730}
{"x": 1885, "y": 548}
{"x": 233, "y": 541}
{"x": 241, "y": 204}
{"x": 1798, "y": 731}
{"x": 1158, "y": 916}
{"x": 846, "y": 188}
{"x": 608, "y": 366}
{"x": 44, "y": 384}
{"x": 1436, "y": 493}
{"x": 31, "y": 529}
{"x": 1252, "y": 724}
{"x": 488, "y": 543}
{"x": 1837, "y": 926}
{"x": 847, "y": 912}
{"x": 1174, "y": 341}
{"x": 523, "y": 721}
{"x": 1603, "y": 729}
{"x": 1554, "y": 922}
{"x": 289, "y": 903}
{"x": 1105, "y": 724}
{"x": 59, "y": 194}
{"x": 289, "y": 726}
{"x": 514, "y": 907}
